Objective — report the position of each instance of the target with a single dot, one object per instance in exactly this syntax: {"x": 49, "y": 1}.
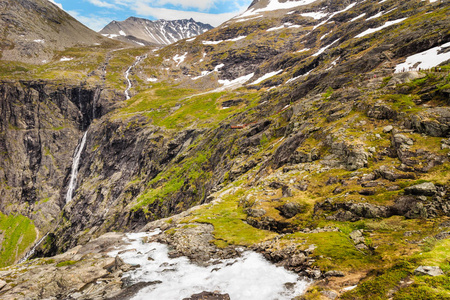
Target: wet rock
{"x": 290, "y": 209}
{"x": 209, "y": 296}
{"x": 423, "y": 189}
{"x": 428, "y": 270}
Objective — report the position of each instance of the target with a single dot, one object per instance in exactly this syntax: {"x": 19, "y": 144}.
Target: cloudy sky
{"x": 98, "y": 13}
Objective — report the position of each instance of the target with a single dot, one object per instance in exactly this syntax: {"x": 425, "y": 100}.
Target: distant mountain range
{"x": 161, "y": 32}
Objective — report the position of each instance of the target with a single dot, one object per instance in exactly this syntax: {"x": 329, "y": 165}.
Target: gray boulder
{"x": 423, "y": 189}
{"x": 428, "y": 270}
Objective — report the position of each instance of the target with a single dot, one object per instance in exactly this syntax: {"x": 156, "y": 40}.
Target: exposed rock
{"x": 404, "y": 77}
{"x": 330, "y": 294}
{"x": 382, "y": 112}
{"x": 390, "y": 174}
{"x": 428, "y": 270}
{"x": 290, "y": 209}
{"x": 432, "y": 122}
{"x": 425, "y": 189}
{"x": 357, "y": 237}
{"x": 334, "y": 273}
{"x": 286, "y": 191}
{"x": 256, "y": 213}
{"x": 2, "y": 284}
{"x": 209, "y": 296}
{"x": 388, "y": 128}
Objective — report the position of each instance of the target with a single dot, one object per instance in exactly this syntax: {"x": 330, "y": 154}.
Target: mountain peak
{"x": 161, "y": 32}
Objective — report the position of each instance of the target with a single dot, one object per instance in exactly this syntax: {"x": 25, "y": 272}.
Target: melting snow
{"x": 315, "y": 15}
{"x": 375, "y": 16}
{"x": 358, "y": 17}
{"x": 266, "y": 76}
{"x": 247, "y": 277}
{"x": 248, "y": 19}
{"x": 190, "y": 40}
{"x": 180, "y": 58}
{"x": 276, "y": 5}
{"x": 303, "y": 50}
{"x": 237, "y": 81}
{"x": 426, "y": 59}
{"x": 152, "y": 79}
{"x": 333, "y": 14}
{"x": 122, "y": 33}
{"x": 276, "y": 28}
{"x": 66, "y": 59}
{"x": 321, "y": 50}
{"x": 221, "y": 41}
{"x": 387, "y": 24}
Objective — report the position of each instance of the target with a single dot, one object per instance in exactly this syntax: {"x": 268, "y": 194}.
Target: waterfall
{"x": 75, "y": 165}
{"x": 31, "y": 252}
{"x": 127, "y": 75}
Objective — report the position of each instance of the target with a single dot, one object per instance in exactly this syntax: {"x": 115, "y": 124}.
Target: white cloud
{"x": 103, "y": 4}
{"x": 57, "y": 4}
{"x": 94, "y": 22}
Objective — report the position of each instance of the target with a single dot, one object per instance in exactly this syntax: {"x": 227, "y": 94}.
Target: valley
{"x": 308, "y": 139}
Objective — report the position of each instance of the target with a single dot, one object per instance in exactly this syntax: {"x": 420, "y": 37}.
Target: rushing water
{"x": 75, "y": 165}
{"x": 127, "y": 75}
{"x": 249, "y": 277}
{"x": 31, "y": 252}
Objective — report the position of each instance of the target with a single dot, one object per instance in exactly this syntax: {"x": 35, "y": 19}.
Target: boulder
{"x": 428, "y": 270}
{"x": 423, "y": 189}
{"x": 209, "y": 296}
{"x": 290, "y": 209}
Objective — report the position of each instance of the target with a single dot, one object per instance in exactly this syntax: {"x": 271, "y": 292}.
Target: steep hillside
{"x": 33, "y": 29}
{"x": 160, "y": 33}
{"x": 313, "y": 132}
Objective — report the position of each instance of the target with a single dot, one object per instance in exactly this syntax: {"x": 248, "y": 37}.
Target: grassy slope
{"x": 18, "y": 234}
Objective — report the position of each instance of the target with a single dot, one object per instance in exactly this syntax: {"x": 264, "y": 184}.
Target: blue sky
{"x": 98, "y": 13}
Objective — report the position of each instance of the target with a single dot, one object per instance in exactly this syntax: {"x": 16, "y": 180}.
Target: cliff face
{"x": 41, "y": 123}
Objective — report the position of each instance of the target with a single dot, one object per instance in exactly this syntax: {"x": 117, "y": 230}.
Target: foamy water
{"x": 248, "y": 277}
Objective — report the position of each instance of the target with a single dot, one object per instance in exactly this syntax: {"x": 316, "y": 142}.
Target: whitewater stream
{"x": 249, "y": 277}
{"x": 127, "y": 75}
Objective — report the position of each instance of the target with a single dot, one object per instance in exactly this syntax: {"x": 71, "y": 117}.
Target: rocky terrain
{"x": 316, "y": 133}
{"x": 153, "y": 33}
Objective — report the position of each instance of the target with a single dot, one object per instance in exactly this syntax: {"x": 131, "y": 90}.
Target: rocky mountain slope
{"x": 161, "y": 32}
{"x": 33, "y": 29}
{"x": 313, "y": 132}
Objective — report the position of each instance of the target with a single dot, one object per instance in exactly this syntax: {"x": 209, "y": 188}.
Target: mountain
{"x": 161, "y": 32}
{"x": 313, "y": 135}
{"x": 33, "y": 29}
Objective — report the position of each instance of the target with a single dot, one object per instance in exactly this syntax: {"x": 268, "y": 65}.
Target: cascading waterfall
{"x": 31, "y": 252}
{"x": 75, "y": 165}
{"x": 127, "y": 75}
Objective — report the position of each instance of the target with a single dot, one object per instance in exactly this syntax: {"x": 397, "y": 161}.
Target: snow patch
{"x": 375, "y": 16}
{"x": 190, "y": 40}
{"x": 66, "y": 58}
{"x": 276, "y": 5}
{"x": 221, "y": 41}
{"x": 314, "y": 15}
{"x": 122, "y": 33}
{"x": 237, "y": 81}
{"x": 385, "y": 25}
{"x": 426, "y": 59}
{"x": 152, "y": 79}
{"x": 180, "y": 58}
{"x": 333, "y": 14}
{"x": 39, "y": 41}
{"x": 266, "y": 76}
{"x": 321, "y": 50}
{"x": 358, "y": 17}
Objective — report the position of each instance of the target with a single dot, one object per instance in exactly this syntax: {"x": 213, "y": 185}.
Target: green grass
{"x": 18, "y": 234}
{"x": 228, "y": 218}
{"x": 65, "y": 263}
